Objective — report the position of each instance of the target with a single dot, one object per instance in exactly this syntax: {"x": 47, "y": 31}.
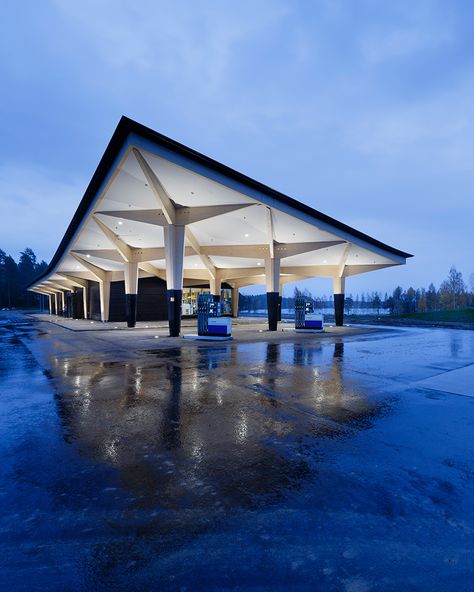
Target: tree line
{"x": 15, "y": 276}
{"x": 453, "y": 294}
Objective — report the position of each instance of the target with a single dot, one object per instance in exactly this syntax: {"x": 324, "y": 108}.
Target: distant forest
{"x": 452, "y": 294}
{"x": 14, "y": 277}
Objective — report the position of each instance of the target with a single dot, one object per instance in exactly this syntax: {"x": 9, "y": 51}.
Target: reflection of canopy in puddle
{"x": 189, "y": 426}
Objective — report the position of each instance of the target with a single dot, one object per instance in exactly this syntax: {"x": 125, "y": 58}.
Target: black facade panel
{"x": 78, "y": 304}
{"x": 94, "y": 300}
{"x": 151, "y": 300}
{"x": 68, "y": 313}
{"x": 117, "y": 302}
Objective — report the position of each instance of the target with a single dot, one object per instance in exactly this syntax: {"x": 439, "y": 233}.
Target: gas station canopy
{"x": 155, "y": 208}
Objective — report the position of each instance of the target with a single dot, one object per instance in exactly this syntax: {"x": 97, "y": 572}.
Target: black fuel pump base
{"x": 174, "y": 298}
{"x": 339, "y": 309}
{"x": 273, "y": 300}
{"x": 131, "y": 309}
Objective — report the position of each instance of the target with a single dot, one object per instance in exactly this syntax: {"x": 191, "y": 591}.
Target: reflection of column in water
{"x": 273, "y": 353}
{"x": 272, "y": 361}
{"x": 336, "y": 371}
{"x": 339, "y": 350}
{"x": 456, "y": 344}
{"x": 171, "y": 429}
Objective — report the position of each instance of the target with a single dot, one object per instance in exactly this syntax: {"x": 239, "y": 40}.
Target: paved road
{"x": 269, "y": 465}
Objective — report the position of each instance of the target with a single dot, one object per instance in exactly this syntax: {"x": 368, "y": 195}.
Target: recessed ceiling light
{"x": 120, "y": 222}
{"x": 258, "y": 263}
{"x": 195, "y": 265}
{"x": 246, "y": 235}
{"x": 325, "y": 260}
{"x": 88, "y": 256}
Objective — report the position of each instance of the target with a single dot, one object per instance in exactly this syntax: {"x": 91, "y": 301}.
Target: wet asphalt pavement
{"x": 293, "y": 465}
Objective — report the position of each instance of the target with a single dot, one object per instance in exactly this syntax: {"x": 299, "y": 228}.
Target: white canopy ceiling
{"x": 230, "y": 227}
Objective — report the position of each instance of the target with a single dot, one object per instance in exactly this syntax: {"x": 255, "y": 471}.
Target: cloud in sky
{"x": 360, "y": 109}
{"x": 24, "y": 189}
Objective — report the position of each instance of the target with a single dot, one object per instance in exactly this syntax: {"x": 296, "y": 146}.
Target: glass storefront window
{"x": 190, "y": 295}
{"x": 189, "y": 304}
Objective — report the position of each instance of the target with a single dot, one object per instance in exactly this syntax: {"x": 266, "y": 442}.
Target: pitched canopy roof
{"x": 145, "y": 181}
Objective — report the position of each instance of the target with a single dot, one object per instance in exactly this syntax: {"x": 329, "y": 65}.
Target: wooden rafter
{"x": 98, "y": 273}
{"x": 184, "y": 215}
{"x": 164, "y": 200}
{"x": 344, "y": 257}
{"x": 124, "y": 250}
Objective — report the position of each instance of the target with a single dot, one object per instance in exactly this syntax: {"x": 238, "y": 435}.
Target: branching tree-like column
{"x": 174, "y": 256}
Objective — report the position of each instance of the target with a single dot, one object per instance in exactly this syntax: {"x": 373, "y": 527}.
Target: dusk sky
{"x": 361, "y": 109}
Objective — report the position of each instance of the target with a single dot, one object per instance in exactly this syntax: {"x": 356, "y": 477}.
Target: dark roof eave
{"x": 128, "y": 126}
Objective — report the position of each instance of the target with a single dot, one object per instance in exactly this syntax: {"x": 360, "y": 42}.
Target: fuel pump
{"x": 210, "y": 323}
{"x": 305, "y": 317}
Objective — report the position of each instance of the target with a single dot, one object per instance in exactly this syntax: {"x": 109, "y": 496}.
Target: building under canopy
{"x": 158, "y": 217}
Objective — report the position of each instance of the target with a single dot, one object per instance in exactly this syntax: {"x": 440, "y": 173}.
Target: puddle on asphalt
{"x": 164, "y": 445}
{"x": 219, "y": 427}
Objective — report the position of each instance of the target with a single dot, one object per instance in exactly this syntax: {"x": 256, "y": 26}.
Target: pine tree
{"x": 431, "y": 298}
{"x": 453, "y": 290}
{"x": 376, "y": 302}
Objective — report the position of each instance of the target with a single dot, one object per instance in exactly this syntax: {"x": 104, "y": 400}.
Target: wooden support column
{"x": 174, "y": 256}
{"x": 215, "y": 286}
{"x": 131, "y": 291}
{"x": 272, "y": 278}
{"x": 338, "y": 289}
{"x": 104, "y": 292}
{"x": 84, "y": 301}
{"x": 56, "y": 303}
{"x": 235, "y": 301}
{"x": 50, "y": 302}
